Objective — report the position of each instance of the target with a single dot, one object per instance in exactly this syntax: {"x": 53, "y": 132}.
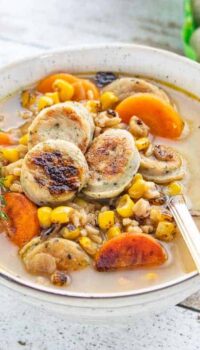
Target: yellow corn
{"x": 165, "y": 231}
{"x": 142, "y": 143}
{"x": 70, "y": 232}
{"x": 65, "y": 90}
{"x": 125, "y": 206}
{"x": 61, "y": 215}
{"x": 113, "y": 232}
{"x": 44, "y": 101}
{"x": 106, "y": 219}
{"x": 89, "y": 246}
{"x": 157, "y": 215}
{"x": 24, "y": 140}
{"x": 108, "y": 100}
{"x": 10, "y": 154}
{"x": 174, "y": 188}
{"x": 25, "y": 99}
{"x": 8, "y": 180}
{"x": 54, "y": 96}
{"x": 138, "y": 176}
{"x": 93, "y": 106}
{"x": 137, "y": 189}
{"x": 32, "y": 99}
{"x": 44, "y": 216}
{"x": 151, "y": 276}
{"x": 166, "y": 215}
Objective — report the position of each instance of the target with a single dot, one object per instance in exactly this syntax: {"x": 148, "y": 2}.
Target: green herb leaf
{"x": 2, "y": 201}
{"x": 3, "y": 215}
{"x": 2, "y": 179}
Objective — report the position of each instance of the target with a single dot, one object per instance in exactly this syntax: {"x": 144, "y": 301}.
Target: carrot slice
{"x": 128, "y": 251}
{"x": 6, "y": 139}
{"x": 85, "y": 90}
{"x": 22, "y": 224}
{"x": 90, "y": 87}
{"x": 79, "y": 91}
{"x": 45, "y": 85}
{"x": 159, "y": 115}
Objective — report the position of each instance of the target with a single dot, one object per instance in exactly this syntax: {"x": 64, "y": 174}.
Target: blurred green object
{"x": 188, "y": 29}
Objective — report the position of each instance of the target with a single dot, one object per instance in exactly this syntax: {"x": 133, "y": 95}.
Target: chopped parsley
{"x": 3, "y": 215}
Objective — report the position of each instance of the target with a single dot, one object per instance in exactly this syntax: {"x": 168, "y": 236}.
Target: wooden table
{"x": 33, "y": 26}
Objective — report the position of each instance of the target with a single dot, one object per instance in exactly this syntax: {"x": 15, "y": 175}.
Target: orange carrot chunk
{"x": 79, "y": 91}
{"x": 22, "y": 224}
{"x": 6, "y": 139}
{"x": 85, "y": 90}
{"x": 159, "y": 115}
{"x": 46, "y": 84}
{"x": 91, "y": 90}
{"x": 130, "y": 250}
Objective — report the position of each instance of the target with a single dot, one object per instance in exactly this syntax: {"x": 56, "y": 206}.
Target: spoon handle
{"x": 186, "y": 226}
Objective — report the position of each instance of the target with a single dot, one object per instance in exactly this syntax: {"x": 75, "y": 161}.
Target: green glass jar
{"x": 189, "y": 27}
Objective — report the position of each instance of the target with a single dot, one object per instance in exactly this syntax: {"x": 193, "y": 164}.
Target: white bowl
{"x": 131, "y": 59}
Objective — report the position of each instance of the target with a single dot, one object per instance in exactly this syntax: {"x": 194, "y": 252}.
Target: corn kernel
{"x": 8, "y": 180}
{"x": 125, "y": 206}
{"x": 108, "y": 100}
{"x": 44, "y": 216}
{"x": 32, "y": 99}
{"x": 65, "y": 90}
{"x": 165, "y": 231}
{"x": 70, "y": 232}
{"x": 142, "y": 143}
{"x": 174, "y": 188}
{"x": 157, "y": 215}
{"x": 137, "y": 190}
{"x": 61, "y": 215}
{"x": 24, "y": 140}
{"x": 10, "y": 154}
{"x": 166, "y": 216}
{"x": 93, "y": 106}
{"x": 54, "y": 96}
{"x": 25, "y": 98}
{"x": 151, "y": 276}
{"x": 44, "y": 101}
{"x": 138, "y": 176}
{"x": 113, "y": 232}
{"x": 89, "y": 246}
{"x": 106, "y": 219}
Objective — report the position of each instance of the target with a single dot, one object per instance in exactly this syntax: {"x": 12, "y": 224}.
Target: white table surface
{"x": 32, "y": 26}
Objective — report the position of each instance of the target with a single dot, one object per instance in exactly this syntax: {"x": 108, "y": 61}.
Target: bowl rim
{"x": 32, "y": 286}
{"x": 85, "y": 47}
{"x": 37, "y": 288}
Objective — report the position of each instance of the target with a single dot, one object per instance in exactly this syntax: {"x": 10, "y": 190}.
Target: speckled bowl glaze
{"x": 131, "y": 59}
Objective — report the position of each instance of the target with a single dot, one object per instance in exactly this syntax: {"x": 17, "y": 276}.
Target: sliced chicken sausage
{"x": 113, "y": 160}
{"x": 53, "y": 171}
{"x": 69, "y": 121}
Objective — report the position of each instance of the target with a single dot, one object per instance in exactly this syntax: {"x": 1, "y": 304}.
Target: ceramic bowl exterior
{"x": 130, "y": 59}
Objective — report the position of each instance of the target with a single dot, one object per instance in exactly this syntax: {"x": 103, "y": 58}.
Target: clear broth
{"x": 179, "y": 262}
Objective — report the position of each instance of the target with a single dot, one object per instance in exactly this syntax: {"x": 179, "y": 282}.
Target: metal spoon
{"x": 187, "y": 226}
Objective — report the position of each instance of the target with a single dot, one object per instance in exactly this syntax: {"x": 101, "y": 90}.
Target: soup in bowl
{"x": 90, "y": 152}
